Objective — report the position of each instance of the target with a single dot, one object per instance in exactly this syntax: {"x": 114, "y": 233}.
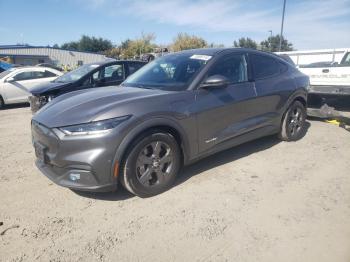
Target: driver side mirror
{"x": 216, "y": 81}
{"x": 10, "y": 80}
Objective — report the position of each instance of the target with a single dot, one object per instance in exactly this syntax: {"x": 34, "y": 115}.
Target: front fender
{"x": 140, "y": 126}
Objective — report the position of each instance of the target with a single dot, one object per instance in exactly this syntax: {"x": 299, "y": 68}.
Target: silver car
{"x": 17, "y": 83}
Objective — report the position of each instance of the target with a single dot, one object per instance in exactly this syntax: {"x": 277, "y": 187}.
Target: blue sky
{"x": 309, "y": 24}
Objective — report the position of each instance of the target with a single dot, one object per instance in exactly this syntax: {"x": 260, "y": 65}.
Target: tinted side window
{"x": 346, "y": 60}
{"x": 23, "y": 76}
{"x": 264, "y": 66}
{"x": 283, "y": 67}
{"x": 38, "y": 74}
{"x": 133, "y": 67}
{"x": 49, "y": 74}
{"x": 113, "y": 72}
{"x": 234, "y": 68}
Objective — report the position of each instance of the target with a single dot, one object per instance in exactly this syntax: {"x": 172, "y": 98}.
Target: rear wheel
{"x": 151, "y": 165}
{"x": 293, "y": 124}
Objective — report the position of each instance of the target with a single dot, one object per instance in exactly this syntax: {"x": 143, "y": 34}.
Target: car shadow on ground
{"x": 202, "y": 165}
{"x": 119, "y": 195}
{"x": 14, "y": 106}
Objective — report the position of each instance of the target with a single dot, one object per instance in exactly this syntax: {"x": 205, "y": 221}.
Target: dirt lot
{"x": 262, "y": 201}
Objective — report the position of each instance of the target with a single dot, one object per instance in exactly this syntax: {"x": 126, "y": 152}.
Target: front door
{"x": 227, "y": 112}
{"x": 111, "y": 75}
{"x": 16, "y": 87}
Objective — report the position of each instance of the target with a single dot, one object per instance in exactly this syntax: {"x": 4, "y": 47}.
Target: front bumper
{"x": 76, "y": 179}
{"x": 329, "y": 90}
{"x": 83, "y": 163}
{"x": 328, "y": 101}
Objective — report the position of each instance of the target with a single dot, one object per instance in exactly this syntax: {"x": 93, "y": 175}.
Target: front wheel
{"x": 151, "y": 165}
{"x": 294, "y": 122}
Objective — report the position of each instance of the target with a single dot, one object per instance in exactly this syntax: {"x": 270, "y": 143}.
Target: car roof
{"x": 215, "y": 51}
{"x": 30, "y": 68}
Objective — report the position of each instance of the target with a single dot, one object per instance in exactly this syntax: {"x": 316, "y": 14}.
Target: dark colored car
{"x": 287, "y": 59}
{"x": 88, "y": 76}
{"x": 177, "y": 109}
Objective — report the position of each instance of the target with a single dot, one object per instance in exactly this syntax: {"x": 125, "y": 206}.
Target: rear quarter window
{"x": 265, "y": 66}
{"x": 49, "y": 74}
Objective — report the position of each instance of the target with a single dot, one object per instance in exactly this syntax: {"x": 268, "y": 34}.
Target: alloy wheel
{"x": 154, "y": 164}
{"x": 295, "y": 121}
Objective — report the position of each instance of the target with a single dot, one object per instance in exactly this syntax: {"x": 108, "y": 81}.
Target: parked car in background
{"x": 51, "y": 66}
{"x": 17, "y": 83}
{"x": 4, "y": 66}
{"x": 157, "y": 52}
{"x": 175, "y": 110}
{"x": 329, "y": 85}
{"x": 88, "y": 76}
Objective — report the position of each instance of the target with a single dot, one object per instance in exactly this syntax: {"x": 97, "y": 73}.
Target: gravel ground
{"x": 262, "y": 201}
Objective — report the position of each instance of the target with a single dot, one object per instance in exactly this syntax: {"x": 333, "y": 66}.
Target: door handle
{"x": 325, "y": 70}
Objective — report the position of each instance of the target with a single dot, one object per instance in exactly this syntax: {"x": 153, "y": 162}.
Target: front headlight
{"x": 92, "y": 128}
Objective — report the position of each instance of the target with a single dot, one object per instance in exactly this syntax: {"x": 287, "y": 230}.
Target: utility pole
{"x": 281, "y": 34}
{"x": 270, "y": 40}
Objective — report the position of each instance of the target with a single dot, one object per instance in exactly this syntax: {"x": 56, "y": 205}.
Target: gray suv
{"x": 175, "y": 110}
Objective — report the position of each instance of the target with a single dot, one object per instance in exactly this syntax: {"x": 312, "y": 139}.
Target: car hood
{"x": 48, "y": 87}
{"x": 91, "y": 105}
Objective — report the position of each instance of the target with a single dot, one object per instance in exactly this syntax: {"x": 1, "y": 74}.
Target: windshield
{"x": 75, "y": 74}
{"x": 172, "y": 72}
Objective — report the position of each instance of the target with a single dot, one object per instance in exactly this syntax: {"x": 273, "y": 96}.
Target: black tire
{"x": 293, "y": 125}
{"x": 151, "y": 164}
{"x": 2, "y": 103}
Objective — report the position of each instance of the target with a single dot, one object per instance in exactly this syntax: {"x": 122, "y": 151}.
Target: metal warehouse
{"x": 32, "y": 55}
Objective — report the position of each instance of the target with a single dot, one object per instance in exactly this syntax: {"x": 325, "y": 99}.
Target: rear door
{"x": 133, "y": 67}
{"x": 224, "y": 113}
{"x": 273, "y": 85}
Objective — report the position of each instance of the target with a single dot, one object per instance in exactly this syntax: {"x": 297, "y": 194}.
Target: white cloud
{"x": 308, "y": 23}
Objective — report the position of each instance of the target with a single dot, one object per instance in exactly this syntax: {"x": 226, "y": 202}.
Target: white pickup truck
{"x": 329, "y": 86}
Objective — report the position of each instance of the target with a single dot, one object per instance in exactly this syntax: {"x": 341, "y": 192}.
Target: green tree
{"x": 184, "y": 41}
{"x": 125, "y": 44}
{"x": 272, "y": 44}
{"x": 213, "y": 45}
{"x": 246, "y": 43}
{"x": 72, "y": 45}
{"x": 89, "y": 44}
{"x": 113, "y": 52}
{"x": 137, "y": 47}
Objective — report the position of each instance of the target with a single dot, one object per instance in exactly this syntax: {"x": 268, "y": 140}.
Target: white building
{"x": 32, "y": 55}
